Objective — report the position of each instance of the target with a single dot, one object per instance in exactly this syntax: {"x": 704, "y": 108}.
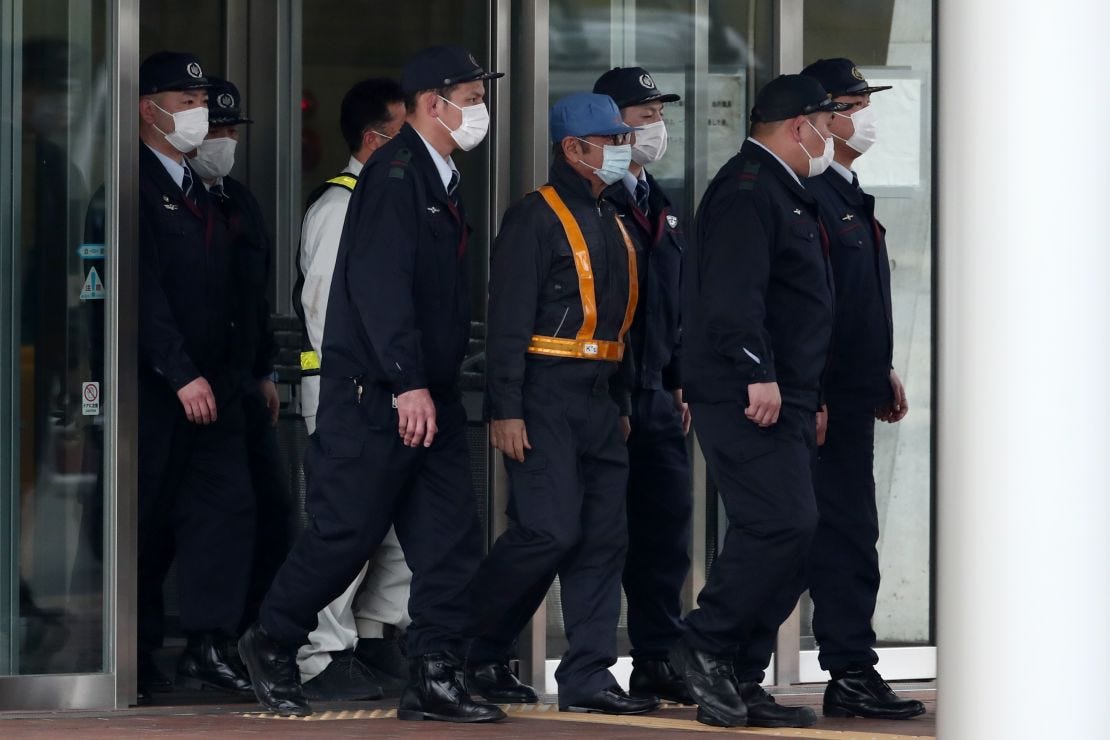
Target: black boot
{"x": 385, "y": 661}
{"x": 862, "y": 692}
{"x": 658, "y": 678}
{"x": 206, "y": 664}
{"x": 435, "y": 692}
{"x": 344, "y": 679}
{"x": 764, "y": 711}
{"x": 712, "y": 685}
{"x": 274, "y": 674}
{"x": 611, "y": 701}
{"x": 495, "y": 682}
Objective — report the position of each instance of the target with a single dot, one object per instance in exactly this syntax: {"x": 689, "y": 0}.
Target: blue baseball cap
{"x": 586, "y": 114}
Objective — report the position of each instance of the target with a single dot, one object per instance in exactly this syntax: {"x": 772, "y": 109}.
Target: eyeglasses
{"x": 615, "y": 139}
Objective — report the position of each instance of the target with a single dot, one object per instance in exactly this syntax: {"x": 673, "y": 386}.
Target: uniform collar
{"x": 176, "y": 169}
{"x": 353, "y": 166}
{"x": 779, "y": 159}
{"x": 444, "y": 166}
{"x": 631, "y": 181}
{"x": 843, "y": 171}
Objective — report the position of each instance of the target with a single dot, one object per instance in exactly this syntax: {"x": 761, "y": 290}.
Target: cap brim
{"x": 229, "y": 121}
{"x": 480, "y": 77}
{"x": 831, "y": 106}
{"x": 660, "y": 98}
{"x": 862, "y": 89}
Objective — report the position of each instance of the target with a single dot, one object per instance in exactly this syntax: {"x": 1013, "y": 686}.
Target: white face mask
{"x": 474, "y": 126}
{"x": 615, "y": 159}
{"x": 651, "y": 143}
{"x": 215, "y": 157}
{"x": 820, "y": 163}
{"x": 864, "y": 129}
{"x": 189, "y": 127}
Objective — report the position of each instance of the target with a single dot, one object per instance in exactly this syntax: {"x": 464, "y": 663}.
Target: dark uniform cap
{"x": 171, "y": 70}
{"x": 841, "y": 77}
{"x": 631, "y": 86}
{"x": 788, "y": 96}
{"x": 442, "y": 66}
{"x": 586, "y": 114}
{"x": 223, "y": 104}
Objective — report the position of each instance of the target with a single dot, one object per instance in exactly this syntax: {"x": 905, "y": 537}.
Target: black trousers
{"x": 660, "y": 508}
{"x": 567, "y": 505}
{"x": 361, "y": 480}
{"x": 844, "y": 562}
{"x": 763, "y": 477}
{"x": 274, "y": 522}
{"x": 195, "y": 503}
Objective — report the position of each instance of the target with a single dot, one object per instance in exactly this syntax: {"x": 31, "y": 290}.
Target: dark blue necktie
{"x": 642, "y": 196}
{"x": 187, "y": 184}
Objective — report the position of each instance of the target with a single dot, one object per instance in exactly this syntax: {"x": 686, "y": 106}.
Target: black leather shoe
{"x": 612, "y": 701}
{"x": 764, "y": 711}
{"x": 149, "y": 677}
{"x": 712, "y": 685}
{"x": 385, "y": 662}
{"x": 344, "y": 679}
{"x": 205, "y": 664}
{"x": 658, "y": 678}
{"x": 435, "y": 692}
{"x": 495, "y": 682}
{"x": 273, "y": 671}
{"x": 864, "y": 693}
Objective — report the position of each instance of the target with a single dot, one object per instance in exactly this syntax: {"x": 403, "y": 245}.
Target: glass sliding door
{"x": 56, "y": 610}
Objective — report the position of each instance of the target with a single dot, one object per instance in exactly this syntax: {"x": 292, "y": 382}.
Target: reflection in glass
{"x": 53, "y": 499}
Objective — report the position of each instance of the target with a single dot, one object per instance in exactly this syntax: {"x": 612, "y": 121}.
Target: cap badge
{"x": 225, "y": 100}
{"x": 194, "y": 70}
{"x": 646, "y": 81}
{"x": 856, "y": 74}
{"x": 672, "y": 221}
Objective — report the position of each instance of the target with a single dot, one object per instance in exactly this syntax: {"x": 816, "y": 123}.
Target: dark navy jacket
{"x": 253, "y": 255}
{"x": 398, "y": 314}
{"x": 190, "y": 314}
{"x": 533, "y": 289}
{"x": 655, "y": 336}
{"x": 757, "y": 301}
{"x": 860, "y": 358}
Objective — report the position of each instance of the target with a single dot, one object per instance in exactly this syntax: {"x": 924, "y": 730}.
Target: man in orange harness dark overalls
{"x": 563, "y": 291}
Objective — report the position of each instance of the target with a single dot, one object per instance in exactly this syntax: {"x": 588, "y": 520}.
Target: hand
{"x": 626, "y": 427}
{"x": 416, "y": 421}
{"x": 269, "y": 392}
{"x": 683, "y": 409}
{"x": 896, "y": 410}
{"x": 509, "y": 436}
{"x": 198, "y": 401}
{"x": 764, "y": 403}
{"x": 822, "y": 424}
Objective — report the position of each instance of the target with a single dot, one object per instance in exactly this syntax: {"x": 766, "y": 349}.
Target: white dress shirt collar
{"x": 785, "y": 166}
{"x": 443, "y": 164}
{"x": 176, "y": 169}
{"x": 842, "y": 170}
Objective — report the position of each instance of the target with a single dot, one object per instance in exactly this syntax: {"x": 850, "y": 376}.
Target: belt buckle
{"x": 590, "y": 348}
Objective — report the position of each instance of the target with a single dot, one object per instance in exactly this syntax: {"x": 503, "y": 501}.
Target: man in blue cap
{"x": 390, "y": 444}
{"x": 860, "y": 387}
{"x": 562, "y": 295}
{"x": 757, "y": 310}
{"x": 195, "y": 499}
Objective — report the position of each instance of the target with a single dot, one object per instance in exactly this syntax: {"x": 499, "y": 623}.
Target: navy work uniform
{"x": 757, "y": 307}
{"x": 563, "y": 292}
{"x": 398, "y": 319}
{"x": 660, "y": 506}
{"x": 195, "y": 497}
{"x": 844, "y": 569}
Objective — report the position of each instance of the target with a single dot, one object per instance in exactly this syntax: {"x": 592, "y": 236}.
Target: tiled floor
{"x": 377, "y": 719}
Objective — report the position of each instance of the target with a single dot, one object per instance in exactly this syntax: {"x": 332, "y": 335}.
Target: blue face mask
{"x": 614, "y": 161}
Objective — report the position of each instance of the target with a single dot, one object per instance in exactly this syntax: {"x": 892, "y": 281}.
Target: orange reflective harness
{"x": 584, "y": 346}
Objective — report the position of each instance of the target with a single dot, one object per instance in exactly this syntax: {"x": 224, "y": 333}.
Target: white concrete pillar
{"x": 1024, "y": 369}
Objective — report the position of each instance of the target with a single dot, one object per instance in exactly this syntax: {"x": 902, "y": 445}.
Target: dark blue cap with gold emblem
{"x": 631, "y": 86}
{"x": 171, "y": 70}
{"x": 788, "y": 96}
{"x": 442, "y": 66}
{"x": 841, "y": 77}
{"x": 224, "y": 104}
